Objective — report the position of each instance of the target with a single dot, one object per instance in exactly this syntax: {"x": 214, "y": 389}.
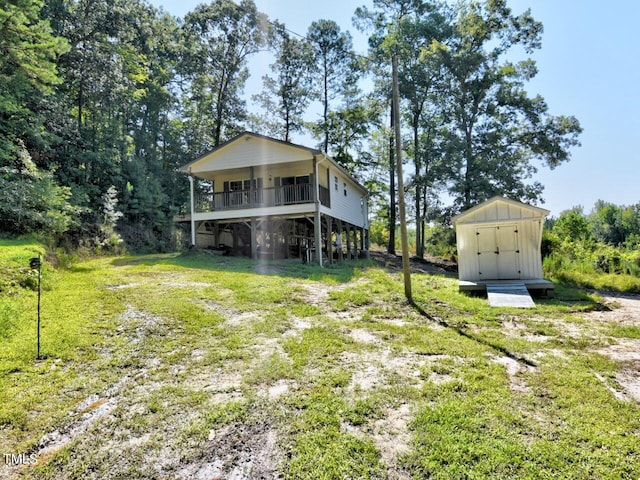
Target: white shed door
{"x": 498, "y": 253}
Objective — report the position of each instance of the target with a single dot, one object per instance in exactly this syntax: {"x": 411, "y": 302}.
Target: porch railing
{"x": 259, "y": 197}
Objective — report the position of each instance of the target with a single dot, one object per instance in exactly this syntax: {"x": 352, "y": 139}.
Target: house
{"x": 262, "y": 197}
{"x": 499, "y": 241}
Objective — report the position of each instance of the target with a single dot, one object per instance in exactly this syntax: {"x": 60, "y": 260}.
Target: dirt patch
{"x": 237, "y": 452}
{"x": 277, "y": 389}
{"x": 625, "y": 351}
{"x": 514, "y": 368}
{"x": 390, "y": 435}
{"x": 383, "y": 366}
{"x": 135, "y": 325}
{"x": 121, "y": 286}
{"x": 621, "y": 309}
{"x": 364, "y": 336}
{"x": 629, "y": 380}
{"x": 417, "y": 265}
{"x": 313, "y": 293}
{"x": 87, "y": 413}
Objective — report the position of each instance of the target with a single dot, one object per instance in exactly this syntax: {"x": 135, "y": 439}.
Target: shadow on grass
{"x": 567, "y": 294}
{"x": 471, "y": 336}
{"x": 293, "y": 268}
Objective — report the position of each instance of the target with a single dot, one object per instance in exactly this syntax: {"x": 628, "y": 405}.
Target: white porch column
{"x": 318, "y": 221}
{"x": 193, "y": 221}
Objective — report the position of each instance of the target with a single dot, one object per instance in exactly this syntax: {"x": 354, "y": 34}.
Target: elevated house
{"x": 499, "y": 242}
{"x": 265, "y": 198}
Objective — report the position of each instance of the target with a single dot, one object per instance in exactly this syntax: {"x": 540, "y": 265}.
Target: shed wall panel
{"x": 530, "y": 260}
{"x": 495, "y": 212}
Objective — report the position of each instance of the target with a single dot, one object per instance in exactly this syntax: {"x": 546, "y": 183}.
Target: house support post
{"x": 355, "y": 242}
{"x": 192, "y": 205}
{"x": 234, "y": 233}
{"x": 348, "y": 241}
{"x": 329, "y": 238}
{"x": 254, "y": 238}
{"x": 339, "y": 242}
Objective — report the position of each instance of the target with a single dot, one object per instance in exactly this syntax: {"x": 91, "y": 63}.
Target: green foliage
{"x": 335, "y": 78}
{"x": 441, "y": 241}
{"x": 137, "y": 92}
{"x": 31, "y": 200}
{"x": 27, "y": 73}
{"x": 572, "y": 225}
{"x": 286, "y": 97}
{"x": 218, "y": 40}
{"x": 495, "y": 109}
{"x": 379, "y": 232}
{"x": 594, "y": 250}
{"x": 615, "y": 225}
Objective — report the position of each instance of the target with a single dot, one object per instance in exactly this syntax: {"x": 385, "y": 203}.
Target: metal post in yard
{"x": 34, "y": 263}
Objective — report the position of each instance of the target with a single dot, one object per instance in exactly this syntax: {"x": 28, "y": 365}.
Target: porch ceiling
{"x": 259, "y": 170}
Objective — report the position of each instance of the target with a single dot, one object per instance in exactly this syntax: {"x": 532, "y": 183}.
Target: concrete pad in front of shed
{"x": 509, "y": 295}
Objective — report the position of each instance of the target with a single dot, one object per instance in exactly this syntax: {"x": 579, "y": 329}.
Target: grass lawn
{"x": 201, "y": 366}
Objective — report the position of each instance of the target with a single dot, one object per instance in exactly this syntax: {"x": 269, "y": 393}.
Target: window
{"x": 236, "y": 192}
{"x": 345, "y": 189}
{"x": 244, "y": 185}
{"x": 336, "y": 182}
{"x": 235, "y": 186}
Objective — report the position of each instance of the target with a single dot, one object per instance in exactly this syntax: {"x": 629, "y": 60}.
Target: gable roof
{"x": 246, "y": 135}
{"x": 491, "y": 205}
{"x": 297, "y": 152}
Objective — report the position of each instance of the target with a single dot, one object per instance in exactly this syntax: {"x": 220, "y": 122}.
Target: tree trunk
{"x": 325, "y": 113}
{"x": 468, "y": 169}
{"x": 418, "y": 185}
{"x": 391, "y": 248}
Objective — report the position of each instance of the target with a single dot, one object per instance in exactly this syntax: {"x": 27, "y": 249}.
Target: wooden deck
{"x": 537, "y": 287}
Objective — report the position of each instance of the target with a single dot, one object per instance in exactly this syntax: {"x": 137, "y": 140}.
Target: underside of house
{"x": 263, "y": 198}
{"x": 277, "y": 237}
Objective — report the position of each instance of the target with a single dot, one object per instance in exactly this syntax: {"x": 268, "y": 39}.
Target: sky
{"x": 589, "y": 67}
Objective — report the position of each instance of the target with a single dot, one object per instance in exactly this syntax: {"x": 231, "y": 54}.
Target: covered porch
{"x": 260, "y": 197}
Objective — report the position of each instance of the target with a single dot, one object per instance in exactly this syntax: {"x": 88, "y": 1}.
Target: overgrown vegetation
{"x": 199, "y": 365}
{"x": 597, "y": 250}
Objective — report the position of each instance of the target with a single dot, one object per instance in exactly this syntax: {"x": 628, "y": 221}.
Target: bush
{"x": 441, "y": 241}
{"x": 31, "y": 201}
{"x": 591, "y": 264}
{"x": 379, "y": 232}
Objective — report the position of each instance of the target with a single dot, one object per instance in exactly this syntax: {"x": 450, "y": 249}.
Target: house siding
{"x": 352, "y": 207}
{"x": 263, "y": 171}
{"x": 247, "y": 153}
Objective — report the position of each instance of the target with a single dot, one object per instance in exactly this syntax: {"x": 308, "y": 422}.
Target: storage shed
{"x": 499, "y": 241}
